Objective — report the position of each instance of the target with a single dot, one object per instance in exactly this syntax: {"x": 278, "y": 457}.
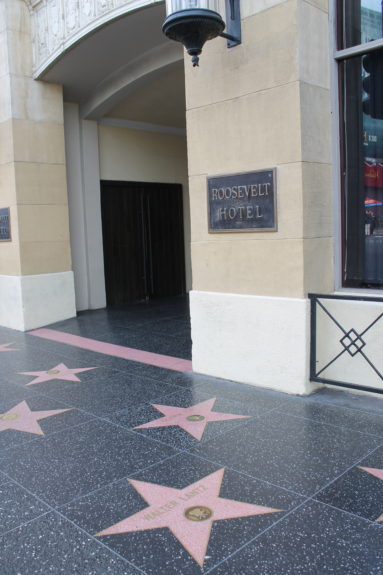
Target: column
{"x": 36, "y": 281}
{"x": 264, "y": 104}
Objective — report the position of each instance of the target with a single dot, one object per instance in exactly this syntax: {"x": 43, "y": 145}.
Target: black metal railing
{"x": 346, "y": 349}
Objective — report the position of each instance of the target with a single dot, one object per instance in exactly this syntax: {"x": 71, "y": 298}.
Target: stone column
{"x": 36, "y": 281}
{"x": 264, "y": 104}
{"x": 82, "y": 156}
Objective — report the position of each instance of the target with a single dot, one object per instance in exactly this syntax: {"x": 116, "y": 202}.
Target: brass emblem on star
{"x": 9, "y": 416}
{"x": 53, "y": 371}
{"x": 195, "y": 418}
{"x": 198, "y": 513}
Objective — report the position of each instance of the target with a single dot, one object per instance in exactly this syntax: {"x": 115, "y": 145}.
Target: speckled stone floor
{"x": 116, "y": 466}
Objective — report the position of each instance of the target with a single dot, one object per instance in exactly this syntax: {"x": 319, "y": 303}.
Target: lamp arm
{"x": 230, "y": 37}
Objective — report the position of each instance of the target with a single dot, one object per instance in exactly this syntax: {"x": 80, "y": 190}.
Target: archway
{"x": 124, "y": 122}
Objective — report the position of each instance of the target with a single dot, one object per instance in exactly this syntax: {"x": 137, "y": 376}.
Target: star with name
{"x": 5, "y": 347}
{"x": 376, "y": 473}
{"x": 189, "y": 513}
{"x": 60, "y": 371}
{"x": 192, "y": 419}
{"x": 22, "y": 418}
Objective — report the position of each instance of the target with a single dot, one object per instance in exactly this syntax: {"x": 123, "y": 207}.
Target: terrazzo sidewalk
{"x": 116, "y": 459}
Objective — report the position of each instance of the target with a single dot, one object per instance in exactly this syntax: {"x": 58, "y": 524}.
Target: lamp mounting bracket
{"x": 233, "y": 23}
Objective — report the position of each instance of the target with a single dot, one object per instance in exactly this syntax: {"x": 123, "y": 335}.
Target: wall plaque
{"x": 5, "y": 225}
{"x": 242, "y": 202}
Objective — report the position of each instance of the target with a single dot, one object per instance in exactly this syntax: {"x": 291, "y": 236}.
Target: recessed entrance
{"x": 143, "y": 240}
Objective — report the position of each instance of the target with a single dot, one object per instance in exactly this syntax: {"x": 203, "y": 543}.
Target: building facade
{"x": 112, "y": 144}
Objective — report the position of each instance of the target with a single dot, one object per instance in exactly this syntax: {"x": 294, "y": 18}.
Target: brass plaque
{"x": 242, "y": 202}
{"x": 195, "y": 417}
{"x": 9, "y": 416}
{"x": 5, "y": 225}
{"x": 198, "y": 513}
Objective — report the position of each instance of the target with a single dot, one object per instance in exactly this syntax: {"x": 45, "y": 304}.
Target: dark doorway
{"x": 143, "y": 238}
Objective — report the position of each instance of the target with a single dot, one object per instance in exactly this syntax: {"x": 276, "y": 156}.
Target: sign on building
{"x": 242, "y": 202}
{"x": 5, "y": 225}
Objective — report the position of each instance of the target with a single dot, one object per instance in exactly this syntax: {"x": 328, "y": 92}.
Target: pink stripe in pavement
{"x": 165, "y": 361}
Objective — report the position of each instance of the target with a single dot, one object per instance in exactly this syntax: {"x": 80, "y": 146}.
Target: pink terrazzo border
{"x": 165, "y": 361}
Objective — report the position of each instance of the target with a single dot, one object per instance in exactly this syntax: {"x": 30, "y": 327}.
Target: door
{"x": 143, "y": 240}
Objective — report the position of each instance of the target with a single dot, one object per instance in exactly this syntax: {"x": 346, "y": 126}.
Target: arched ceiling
{"x": 162, "y": 101}
{"x": 127, "y": 69}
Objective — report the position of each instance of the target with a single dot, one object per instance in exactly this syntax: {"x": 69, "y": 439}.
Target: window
{"x": 360, "y": 57}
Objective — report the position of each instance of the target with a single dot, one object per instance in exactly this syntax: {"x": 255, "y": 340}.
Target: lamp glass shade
{"x": 178, "y": 5}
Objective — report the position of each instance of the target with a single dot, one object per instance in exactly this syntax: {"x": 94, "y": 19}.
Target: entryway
{"x": 143, "y": 241}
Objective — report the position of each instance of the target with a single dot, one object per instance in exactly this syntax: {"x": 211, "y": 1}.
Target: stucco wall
{"x": 265, "y": 104}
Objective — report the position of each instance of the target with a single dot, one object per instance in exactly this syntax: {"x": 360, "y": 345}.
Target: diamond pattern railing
{"x": 347, "y": 341}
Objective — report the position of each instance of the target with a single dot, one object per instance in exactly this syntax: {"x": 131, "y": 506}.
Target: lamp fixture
{"x": 193, "y": 22}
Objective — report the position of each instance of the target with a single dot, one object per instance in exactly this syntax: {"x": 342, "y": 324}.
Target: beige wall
{"x": 32, "y": 158}
{"x": 265, "y": 104}
{"x": 135, "y": 155}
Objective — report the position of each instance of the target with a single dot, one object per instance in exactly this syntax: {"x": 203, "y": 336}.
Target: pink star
{"x": 60, "y": 371}
{"x": 377, "y": 473}
{"x": 192, "y": 419}
{"x": 5, "y": 347}
{"x": 188, "y": 513}
{"x": 22, "y": 418}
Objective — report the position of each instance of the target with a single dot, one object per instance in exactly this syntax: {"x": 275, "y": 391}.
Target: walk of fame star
{"x": 5, "y": 347}
{"x": 22, "y": 418}
{"x": 379, "y": 474}
{"x": 60, "y": 371}
{"x": 191, "y": 419}
{"x": 188, "y": 513}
